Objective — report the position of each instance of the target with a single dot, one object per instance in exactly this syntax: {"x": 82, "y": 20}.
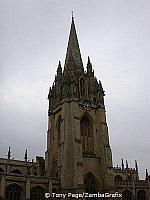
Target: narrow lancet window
{"x": 86, "y": 131}
{"x": 82, "y": 87}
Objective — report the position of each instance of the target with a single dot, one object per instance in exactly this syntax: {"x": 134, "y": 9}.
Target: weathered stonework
{"x": 75, "y": 94}
{"x": 78, "y": 156}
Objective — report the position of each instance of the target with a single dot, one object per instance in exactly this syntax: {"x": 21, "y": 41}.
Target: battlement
{"x": 141, "y": 183}
{"x": 124, "y": 170}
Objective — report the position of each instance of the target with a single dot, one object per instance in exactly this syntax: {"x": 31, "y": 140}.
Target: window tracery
{"x": 127, "y": 195}
{"x": 86, "y": 131}
{"x": 13, "y": 192}
{"x": 141, "y": 195}
{"x": 90, "y": 184}
{"x": 82, "y": 87}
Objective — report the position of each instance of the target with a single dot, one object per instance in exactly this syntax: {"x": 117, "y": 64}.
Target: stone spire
{"x": 73, "y": 59}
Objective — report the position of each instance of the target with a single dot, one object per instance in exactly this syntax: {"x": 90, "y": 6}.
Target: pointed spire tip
{"x": 72, "y": 16}
{"x": 73, "y": 56}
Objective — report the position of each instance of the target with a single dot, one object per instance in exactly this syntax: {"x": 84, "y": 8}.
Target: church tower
{"x": 78, "y": 151}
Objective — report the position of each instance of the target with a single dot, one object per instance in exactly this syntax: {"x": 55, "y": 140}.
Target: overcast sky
{"x": 33, "y": 38}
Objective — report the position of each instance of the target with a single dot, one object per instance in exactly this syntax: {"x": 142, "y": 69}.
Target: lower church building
{"x": 78, "y": 158}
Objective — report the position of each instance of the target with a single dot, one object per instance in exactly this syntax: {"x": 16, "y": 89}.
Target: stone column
{"x": 50, "y": 186}
{"x": 2, "y": 192}
{"x": 28, "y": 189}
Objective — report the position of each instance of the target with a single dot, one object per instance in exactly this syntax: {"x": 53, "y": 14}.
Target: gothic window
{"x": 57, "y": 141}
{"x": 90, "y": 184}
{"x": 59, "y": 130}
{"x": 37, "y": 193}
{"x": 82, "y": 87}
{"x": 13, "y": 192}
{"x": 127, "y": 195}
{"x": 118, "y": 178}
{"x": 141, "y": 195}
{"x": 85, "y": 126}
{"x": 87, "y": 135}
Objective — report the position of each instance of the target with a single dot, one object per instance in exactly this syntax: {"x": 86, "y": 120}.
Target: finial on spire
{"x": 9, "y": 153}
{"x": 72, "y": 15}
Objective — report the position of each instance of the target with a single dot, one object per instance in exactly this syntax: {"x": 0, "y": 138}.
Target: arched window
{"x": 59, "y": 130}
{"x": 13, "y": 192}
{"x": 86, "y": 131}
{"x": 16, "y": 171}
{"x": 57, "y": 141}
{"x": 90, "y": 184}
{"x": 37, "y": 193}
{"x": 127, "y": 195}
{"x": 82, "y": 87}
{"x": 58, "y": 136}
{"x": 118, "y": 178}
{"x": 85, "y": 126}
{"x": 141, "y": 195}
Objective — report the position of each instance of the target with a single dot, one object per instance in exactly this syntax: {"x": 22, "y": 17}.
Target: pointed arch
{"x": 57, "y": 141}
{"x": 85, "y": 126}
{"x": 13, "y": 192}
{"x": 86, "y": 132}
{"x": 58, "y": 128}
{"x": 127, "y": 195}
{"x": 86, "y": 113}
{"x": 141, "y": 195}
{"x": 82, "y": 87}
{"x": 90, "y": 183}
